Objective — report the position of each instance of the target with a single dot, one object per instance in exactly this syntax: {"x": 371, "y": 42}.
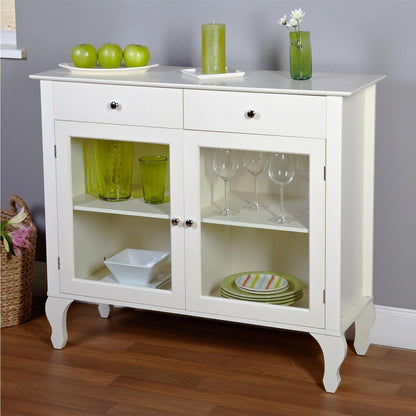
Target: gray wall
{"x": 368, "y": 36}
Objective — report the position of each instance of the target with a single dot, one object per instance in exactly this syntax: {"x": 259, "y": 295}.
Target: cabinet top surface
{"x": 277, "y": 82}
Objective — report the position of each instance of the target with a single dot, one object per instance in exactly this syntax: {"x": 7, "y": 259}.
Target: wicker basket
{"x": 17, "y": 274}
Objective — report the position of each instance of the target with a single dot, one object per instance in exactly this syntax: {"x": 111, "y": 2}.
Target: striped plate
{"x": 229, "y": 287}
{"x": 261, "y": 283}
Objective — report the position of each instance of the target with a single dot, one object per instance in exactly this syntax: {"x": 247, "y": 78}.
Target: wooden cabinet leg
{"x": 56, "y": 310}
{"x": 334, "y": 349}
{"x": 362, "y": 329}
{"x": 104, "y": 310}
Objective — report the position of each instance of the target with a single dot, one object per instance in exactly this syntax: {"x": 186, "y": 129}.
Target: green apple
{"x": 110, "y": 55}
{"x": 136, "y": 55}
{"x": 84, "y": 55}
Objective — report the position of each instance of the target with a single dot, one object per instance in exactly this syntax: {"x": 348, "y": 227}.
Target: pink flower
{"x": 20, "y": 238}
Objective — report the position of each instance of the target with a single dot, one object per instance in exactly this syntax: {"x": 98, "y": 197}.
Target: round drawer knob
{"x": 251, "y": 114}
{"x": 175, "y": 221}
{"x": 189, "y": 223}
{"x": 114, "y": 105}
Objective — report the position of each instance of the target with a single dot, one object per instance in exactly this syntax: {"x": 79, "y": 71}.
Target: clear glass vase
{"x": 300, "y": 55}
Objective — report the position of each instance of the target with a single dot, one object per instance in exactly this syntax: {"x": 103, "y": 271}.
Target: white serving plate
{"x": 122, "y": 69}
{"x": 136, "y": 267}
{"x": 197, "y": 73}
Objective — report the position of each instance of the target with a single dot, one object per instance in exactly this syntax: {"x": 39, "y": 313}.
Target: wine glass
{"x": 255, "y": 163}
{"x": 281, "y": 171}
{"x": 225, "y": 165}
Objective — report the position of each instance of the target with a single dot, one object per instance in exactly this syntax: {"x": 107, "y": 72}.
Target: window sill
{"x": 8, "y": 47}
{"x": 9, "y": 51}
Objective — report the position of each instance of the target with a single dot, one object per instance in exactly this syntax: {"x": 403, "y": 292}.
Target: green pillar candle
{"x": 213, "y": 48}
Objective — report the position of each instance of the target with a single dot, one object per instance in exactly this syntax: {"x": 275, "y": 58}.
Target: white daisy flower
{"x": 283, "y": 21}
{"x": 293, "y": 22}
{"x": 297, "y": 14}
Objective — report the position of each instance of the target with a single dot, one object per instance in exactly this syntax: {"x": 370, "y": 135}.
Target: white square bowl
{"x": 136, "y": 267}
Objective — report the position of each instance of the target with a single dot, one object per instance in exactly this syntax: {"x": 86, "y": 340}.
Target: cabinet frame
{"x": 350, "y": 120}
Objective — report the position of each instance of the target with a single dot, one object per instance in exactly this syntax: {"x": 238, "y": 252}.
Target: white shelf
{"x": 134, "y": 206}
{"x": 295, "y": 207}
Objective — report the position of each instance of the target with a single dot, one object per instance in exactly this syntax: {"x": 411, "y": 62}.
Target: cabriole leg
{"x": 56, "y": 310}
{"x": 104, "y": 310}
{"x": 362, "y": 329}
{"x": 334, "y": 349}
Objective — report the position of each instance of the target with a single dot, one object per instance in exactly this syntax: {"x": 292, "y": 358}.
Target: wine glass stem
{"x": 281, "y": 204}
{"x": 225, "y": 197}
{"x": 255, "y": 202}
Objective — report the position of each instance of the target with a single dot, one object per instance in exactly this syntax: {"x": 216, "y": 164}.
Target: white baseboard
{"x": 394, "y": 327}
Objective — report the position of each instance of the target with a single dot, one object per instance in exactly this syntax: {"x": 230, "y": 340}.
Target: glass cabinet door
{"x": 243, "y": 259}
{"x": 114, "y": 245}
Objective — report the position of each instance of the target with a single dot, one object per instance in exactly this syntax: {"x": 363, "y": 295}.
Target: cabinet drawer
{"x": 277, "y": 114}
{"x": 140, "y": 106}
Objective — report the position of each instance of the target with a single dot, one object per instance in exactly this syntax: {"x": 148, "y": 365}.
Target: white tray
{"x": 121, "y": 70}
{"x": 197, "y": 73}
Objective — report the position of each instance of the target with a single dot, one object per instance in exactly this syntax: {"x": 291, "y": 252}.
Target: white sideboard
{"x": 326, "y": 122}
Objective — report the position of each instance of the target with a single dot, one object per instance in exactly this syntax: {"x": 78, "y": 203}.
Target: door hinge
{"x": 54, "y": 150}
{"x": 324, "y": 296}
{"x": 324, "y": 173}
{"x": 59, "y": 263}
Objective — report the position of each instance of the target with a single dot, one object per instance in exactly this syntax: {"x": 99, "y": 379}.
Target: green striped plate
{"x": 228, "y": 287}
{"x": 282, "y": 301}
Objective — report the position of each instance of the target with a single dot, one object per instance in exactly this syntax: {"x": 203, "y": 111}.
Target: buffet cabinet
{"x": 325, "y": 124}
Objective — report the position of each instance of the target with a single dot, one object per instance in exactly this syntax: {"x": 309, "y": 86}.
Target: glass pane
{"x": 260, "y": 255}
{"x": 118, "y": 236}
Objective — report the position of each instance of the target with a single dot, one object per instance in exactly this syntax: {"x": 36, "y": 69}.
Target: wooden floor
{"x": 149, "y": 364}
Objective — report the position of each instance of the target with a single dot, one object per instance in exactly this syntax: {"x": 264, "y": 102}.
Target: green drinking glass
{"x": 114, "y": 161}
{"x": 153, "y": 174}
{"x": 300, "y": 55}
